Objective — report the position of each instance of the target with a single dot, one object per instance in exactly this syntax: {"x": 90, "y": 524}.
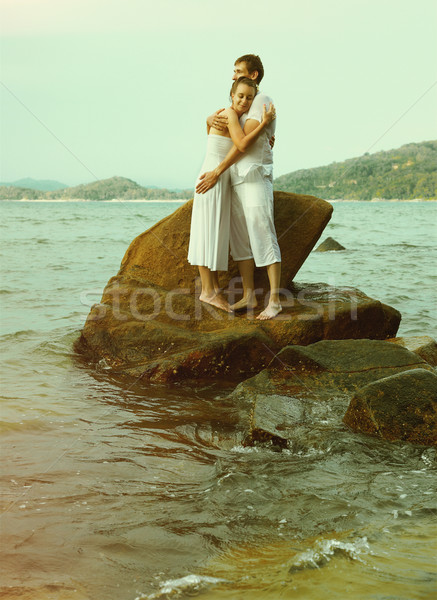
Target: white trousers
{"x": 253, "y": 233}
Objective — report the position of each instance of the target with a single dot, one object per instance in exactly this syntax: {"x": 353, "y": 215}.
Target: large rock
{"x": 398, "y": 407}
{"x": 168, "y": 336}
{"x": 306, "y": 389}
{"x": 150, "y": 323}
{"x": 159, "y": 255}
{"x": 346, "y": 364}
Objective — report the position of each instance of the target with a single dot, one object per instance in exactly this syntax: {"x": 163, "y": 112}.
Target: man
{"x": 253, "y": 238}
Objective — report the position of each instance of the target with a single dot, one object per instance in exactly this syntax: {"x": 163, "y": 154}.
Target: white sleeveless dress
{"x": 210, "y": 219}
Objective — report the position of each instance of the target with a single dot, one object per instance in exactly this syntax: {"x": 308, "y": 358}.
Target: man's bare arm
{"x": 209, "y": 179}
{"x": 217, "y": 121}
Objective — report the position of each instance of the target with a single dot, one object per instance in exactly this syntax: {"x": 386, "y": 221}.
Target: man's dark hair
{"x": 253, "y": 63}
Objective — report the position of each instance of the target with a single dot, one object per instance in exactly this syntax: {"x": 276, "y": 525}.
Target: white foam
{"x": 326, "y": 549}
{"x": 175, "y": 587}
{"x": 245, "y": 449}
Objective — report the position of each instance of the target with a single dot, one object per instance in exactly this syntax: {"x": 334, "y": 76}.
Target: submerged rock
{"x": 306, "y": 385}
{"x": 398, "y": 407}
{"x": 329, "y": 245}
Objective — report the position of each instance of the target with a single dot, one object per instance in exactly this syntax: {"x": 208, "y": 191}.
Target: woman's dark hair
{"x": 253, "y": 63}
{"x": 247, "y": 81}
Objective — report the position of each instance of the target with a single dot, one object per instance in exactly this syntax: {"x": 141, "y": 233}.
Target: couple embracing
{"x": 233, "y": 203}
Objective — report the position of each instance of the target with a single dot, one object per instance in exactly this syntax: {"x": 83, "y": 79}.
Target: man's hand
{"x": 206, "y": 182}
{"x": 218, "y": 121}
{"x": 272, "y": 141}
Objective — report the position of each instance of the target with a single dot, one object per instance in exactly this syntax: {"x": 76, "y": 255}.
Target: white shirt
{"x": 259, "y": 154}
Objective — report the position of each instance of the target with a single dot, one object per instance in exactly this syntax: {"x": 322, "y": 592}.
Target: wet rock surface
{"x": 310, "y": 387}
{"x": 399, "y": 407}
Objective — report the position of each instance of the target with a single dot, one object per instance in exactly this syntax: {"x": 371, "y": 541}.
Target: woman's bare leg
{"x": 208, "y": 293}
{"x": 216, "y": 282}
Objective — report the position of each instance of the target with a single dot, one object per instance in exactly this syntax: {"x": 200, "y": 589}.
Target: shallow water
{"x": 120, "y": 492}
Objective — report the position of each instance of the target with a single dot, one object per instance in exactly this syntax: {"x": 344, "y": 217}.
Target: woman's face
{"x": 243, "y": 98}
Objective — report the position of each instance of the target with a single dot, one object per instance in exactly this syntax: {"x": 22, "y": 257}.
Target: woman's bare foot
{"x": 216, "y": 300}
{"x": 248, "y": 303}
{"x": 270, "y": 312}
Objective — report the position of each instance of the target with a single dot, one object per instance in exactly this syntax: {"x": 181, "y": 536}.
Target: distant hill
{"x": 104, "y": 189}
{"x": 404, "y": 173}
{"x": 36, "y": 184}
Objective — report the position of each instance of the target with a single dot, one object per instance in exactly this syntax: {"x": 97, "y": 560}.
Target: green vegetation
{"x": 105, "y": 189}
{"x": 405, "y": 173}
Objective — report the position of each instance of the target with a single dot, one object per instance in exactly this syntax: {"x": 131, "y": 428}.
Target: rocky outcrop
{"x": 306, "y": 385}
{"x": 398, "y": 407}
{"x": 324, "y": 350}
{"x": 162, "y": 336}
{"x": 329, "y": 245}
{"x": 150, "y": 323}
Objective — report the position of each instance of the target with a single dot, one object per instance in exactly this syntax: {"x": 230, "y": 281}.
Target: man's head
{"x": 249, "y": 65}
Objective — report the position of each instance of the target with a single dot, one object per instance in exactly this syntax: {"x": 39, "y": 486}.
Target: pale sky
{"x": 96, "y": 88}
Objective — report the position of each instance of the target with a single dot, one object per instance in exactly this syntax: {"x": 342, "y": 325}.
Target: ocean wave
{"x": 17, "y": 334}
{"x": 174, "y": 588}
{"x": 245, "y": 449}
{"x": 325, "y": 550}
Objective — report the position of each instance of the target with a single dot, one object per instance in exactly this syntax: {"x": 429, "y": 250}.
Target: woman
{"x": 210, "y": 220}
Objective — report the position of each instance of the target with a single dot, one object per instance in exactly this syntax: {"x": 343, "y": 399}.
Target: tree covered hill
{"x": 104, "y": 189}
{"x": 404, "y": 173}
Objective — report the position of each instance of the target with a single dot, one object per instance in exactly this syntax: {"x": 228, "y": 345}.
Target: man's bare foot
{"x": 250, "y": 303}
{"x": 216, "y": 300}
{"x": 270, "y": 312}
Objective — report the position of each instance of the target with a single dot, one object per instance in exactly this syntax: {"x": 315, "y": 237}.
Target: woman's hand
{"x": 269, "y": 115}
{"x": 206, "y": 181}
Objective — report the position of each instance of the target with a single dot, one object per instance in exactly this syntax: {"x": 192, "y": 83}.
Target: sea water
{"x": 124, "y": 492}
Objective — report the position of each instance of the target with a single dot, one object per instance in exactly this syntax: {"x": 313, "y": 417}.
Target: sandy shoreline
{"x": 86, "y": 200}
{"x": 142, "y": 200}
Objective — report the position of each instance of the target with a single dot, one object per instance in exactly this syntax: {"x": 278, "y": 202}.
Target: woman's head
{"x": 243, "y": 91}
